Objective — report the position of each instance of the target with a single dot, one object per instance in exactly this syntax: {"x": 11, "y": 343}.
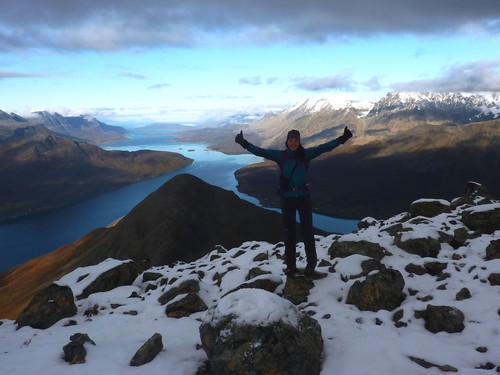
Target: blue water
{"x": 27, "y": 239}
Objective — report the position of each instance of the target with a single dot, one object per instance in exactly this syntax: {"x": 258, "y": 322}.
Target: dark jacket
{"x": 298, "y": 179}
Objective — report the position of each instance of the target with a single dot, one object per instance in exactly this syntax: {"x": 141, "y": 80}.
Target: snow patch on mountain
{"x": 474, "y": 106}
{"x": 329, "y": 102}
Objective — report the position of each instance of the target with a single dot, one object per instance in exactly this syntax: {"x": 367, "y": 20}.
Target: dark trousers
{"x": 289, "y": 208}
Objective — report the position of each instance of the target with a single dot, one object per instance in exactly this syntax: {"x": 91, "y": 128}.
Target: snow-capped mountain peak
{"x": 327, "y": 102}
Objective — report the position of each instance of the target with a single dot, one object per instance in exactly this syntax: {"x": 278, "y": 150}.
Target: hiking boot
{"x": 309, "y": 270}
{"x": 290, "y": 271}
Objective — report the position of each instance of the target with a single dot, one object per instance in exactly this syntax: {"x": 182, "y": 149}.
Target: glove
{"x": 240, "y": 140}
{"x": 344, "y": 137}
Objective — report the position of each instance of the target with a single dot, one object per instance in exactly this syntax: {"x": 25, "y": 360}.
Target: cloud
{"x": 132, "y": 75}
{"x": 120, "y": 24}
{"x": 254, "y": 81}
{"x": 4, "y": 74}
{"x": 158, "y": 86}
{"x": 480, "y": 76}
{"x": 335, "y": 82}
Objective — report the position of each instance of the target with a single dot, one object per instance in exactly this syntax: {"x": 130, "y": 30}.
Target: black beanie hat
{"x": 293, "y": 134}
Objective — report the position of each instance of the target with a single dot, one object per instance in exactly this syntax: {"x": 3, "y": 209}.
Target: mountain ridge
{"x": 82, "y": 127}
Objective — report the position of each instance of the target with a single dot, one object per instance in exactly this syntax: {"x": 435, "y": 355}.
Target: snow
{"x": 253, "y": 307}
{"x": 330, "y": 102}
{"x": 355, "y": 342}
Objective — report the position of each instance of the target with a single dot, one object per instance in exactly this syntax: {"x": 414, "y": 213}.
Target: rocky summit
{"x": 416, "y": 293}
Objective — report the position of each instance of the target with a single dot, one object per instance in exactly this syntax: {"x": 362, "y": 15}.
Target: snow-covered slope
{"x": 471, "y": 107}
{"x": 355, "y": 342}
{"x": 486, "y": 106}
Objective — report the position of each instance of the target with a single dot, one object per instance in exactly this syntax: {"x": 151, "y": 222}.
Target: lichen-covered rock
{"x": 123, "y": 274}
{"x": 47, "y": 307}
{"x": 424, "y": 247}
{"x": 484, "y": 219}
{"x": 188, "y": 286}
{"x": 381, "y": 291}
{"x": 494, "y": 278}
{"x": 343, "y": 249}
{"x": 297, "y": 289}
{"x": 493, "y": 250}
{"x": 257, "y": 332}
{"x": 444, "y": 319}
{"x": 189, "y": 304}
{"x": 148, "y": 351}
{"x": 74, "y": 351}
{"x": 429, "y": 207}
{"x": 269, "y": 284}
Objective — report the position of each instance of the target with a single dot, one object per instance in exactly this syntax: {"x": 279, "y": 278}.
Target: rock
{"x": 494, "y": 279}
{"x": 484, "y": 219}
{"x": 124, "y": 274}
{"x": 189, "y": 286}
{"x": 255, "y": 272}
{"x": 381, "y": 291}
{"x": 426, "y": 364}
{"x": 47, "y": 307}
{"x": 74, "y": 351}
{"x": 493, "y": 250}
{"x": 367, "y": 222}
{"x": 257, "y": 332}
{"x": 424, "y": 247}
{"x": 151, "y": 276}
{"x": 460, "y": 236}
{"x": 463, "y": 294}
{"x": 370, "y": 265}
{"x": 343, "y": 249}
{"x": 297, "y": 289}
{"x": 435, "y": 268}
{"x": 444, "y": 319}
{"x": 415, "y": 269}
{"x": 263, "y": 283}
{"x": 186, "y": 306}
{"x": 148, "y": 351}
{"x": 429, "y": 207}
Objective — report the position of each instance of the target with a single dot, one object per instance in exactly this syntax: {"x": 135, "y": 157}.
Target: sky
{"x": 128, "y": 61}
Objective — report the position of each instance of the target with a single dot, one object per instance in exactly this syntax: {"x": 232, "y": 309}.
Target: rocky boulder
{"x": 381, "y": 291}
{"x": 252, "y": 331}
{"x": 148, "y": 351}
{"x": 297, "y": 289}
{"x": 484, "y": 219}
{"x": 429, "y": 207}
{"x": 493, "y": 250}
{"x": 343, "y": 249}
{"x": 47, "y": 307}
{"x": 124, "y": 274}
{"x": 190, "y": 286}
{"x": 185, "y": 306}
{"x": 424, "y": 247}
{"x": 443, "y": 319}
{"x": 74, "y": 351}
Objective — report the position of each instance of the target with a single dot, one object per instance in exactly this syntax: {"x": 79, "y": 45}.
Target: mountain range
{"x": 81, "y": 128}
